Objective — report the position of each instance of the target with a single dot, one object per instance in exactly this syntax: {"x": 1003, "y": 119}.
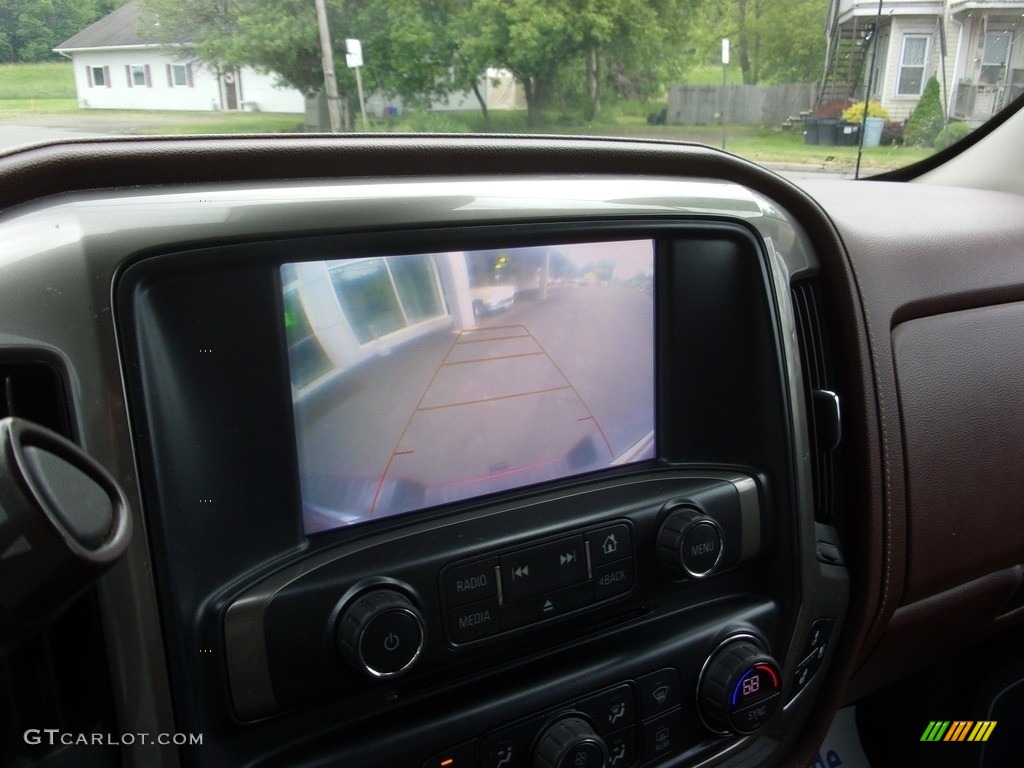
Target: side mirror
{"x": 63, "y": 521}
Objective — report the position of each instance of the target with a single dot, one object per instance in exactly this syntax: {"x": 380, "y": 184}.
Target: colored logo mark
{"x": 958, "y": 730}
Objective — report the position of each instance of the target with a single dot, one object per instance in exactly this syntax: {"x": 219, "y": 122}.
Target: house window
{"x": 913, "y": 58}
{"x": 99, "y": 77}
{"x": 138, "y": 75}
{"x": 381, "y": 296}
{"x": 179, "y": 75}
{"x": 994, "y": 58}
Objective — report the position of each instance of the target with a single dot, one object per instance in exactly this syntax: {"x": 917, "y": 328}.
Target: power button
{"x": 381, "y": 633}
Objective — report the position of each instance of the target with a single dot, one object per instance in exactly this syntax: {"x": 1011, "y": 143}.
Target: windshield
{"x": 801, "y": 86}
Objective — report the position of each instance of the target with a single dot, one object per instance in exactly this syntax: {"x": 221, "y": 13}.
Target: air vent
{"x": 35, "y": 391}
{"x": 59, "y": 678}
{"x": 818, "y": 379}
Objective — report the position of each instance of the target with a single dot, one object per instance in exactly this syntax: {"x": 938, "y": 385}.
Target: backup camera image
{"x": 430, "y": 378}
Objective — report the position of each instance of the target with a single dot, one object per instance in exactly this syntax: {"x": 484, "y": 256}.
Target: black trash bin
{"x": 811, "y": 130}
{"x": 848, "y": 134}
{"x": 828, "y": 131}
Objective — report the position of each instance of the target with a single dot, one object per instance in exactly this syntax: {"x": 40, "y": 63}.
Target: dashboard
{"x": 518, "y": 452}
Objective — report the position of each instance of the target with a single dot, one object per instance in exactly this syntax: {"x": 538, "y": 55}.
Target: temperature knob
{"x": 739, "y": 689}
{"x": 381, "y": 633}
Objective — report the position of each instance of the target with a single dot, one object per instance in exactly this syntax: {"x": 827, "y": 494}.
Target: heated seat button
{"x": 542, "y": 569}
{"x": 471, "y": 582}
{"x": 659, "y": 692}
{"x": 462, "y": 756}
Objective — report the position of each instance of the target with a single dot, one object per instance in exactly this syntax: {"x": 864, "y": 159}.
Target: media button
{"x": 473, "y": 622}
{"x": 546, "y": 606}
{"x": 541, "y": 569}
{"x": 471, "y": 582}
{"x": 608, "y": 544}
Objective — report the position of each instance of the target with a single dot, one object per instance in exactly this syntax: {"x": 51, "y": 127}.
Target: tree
{"x": 29, "y": 29}
{"x": 773, "y": 40}
{"x": 927, "y": 120}
{"x": 407, "y": 44}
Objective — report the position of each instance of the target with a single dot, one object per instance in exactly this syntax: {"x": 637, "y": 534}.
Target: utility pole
{"x": 327, "y": 59}
{"x": 725, "y": 83}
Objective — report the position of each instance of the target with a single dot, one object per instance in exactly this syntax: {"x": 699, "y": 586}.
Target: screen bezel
{"x": 190, "y": 409}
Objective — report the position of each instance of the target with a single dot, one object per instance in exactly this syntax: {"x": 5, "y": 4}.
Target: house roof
{"x": 118, "y": 29}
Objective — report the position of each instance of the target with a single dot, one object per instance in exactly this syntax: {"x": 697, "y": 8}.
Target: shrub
{"x": 831, "y": 108}
{"x": 855, "y": 112}
{"x": 951, "y": 134}
{"x": 892, "y": 133}
{"x": 926, "y": 120}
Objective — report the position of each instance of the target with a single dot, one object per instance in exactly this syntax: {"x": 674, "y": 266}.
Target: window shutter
{"x": 88, "y": 74}
{"x": 170, "y": 77}
{"x": 149, "y": 80}
{"x": 128, "y": 74}
{"x": 188, "y": 76}
{"x": 106, "y": 76}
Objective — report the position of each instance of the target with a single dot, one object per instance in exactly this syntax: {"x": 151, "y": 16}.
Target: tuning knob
{"x": 381, "y": 633}
{"x": 739, "y": 689}
{"x": 689, "y": 544}
{"x": 570, "y": 742}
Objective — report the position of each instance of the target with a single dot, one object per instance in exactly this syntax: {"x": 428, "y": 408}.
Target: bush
{"x": 855, "y": 112}
{"x": 892, "y": 133}
{"x": 831, "y": 109}
{"x": 926, "y": 120}
{"x": 951, "y": 134}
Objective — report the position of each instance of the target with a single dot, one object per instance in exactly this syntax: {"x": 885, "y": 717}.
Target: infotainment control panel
{"x": 480, "y": 488}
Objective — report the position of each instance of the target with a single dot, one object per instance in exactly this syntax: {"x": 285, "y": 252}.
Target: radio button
{"x": 609, "y": 544}
{"x": 539, "y": 570}
{"x": 470, "y": 583}
{"x": 474, "y": 621}
{"x": 613, "y": 579}
{"x": 546, "y": 606}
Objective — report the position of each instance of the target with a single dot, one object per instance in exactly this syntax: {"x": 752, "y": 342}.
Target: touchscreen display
{"x": 430, "y": 378}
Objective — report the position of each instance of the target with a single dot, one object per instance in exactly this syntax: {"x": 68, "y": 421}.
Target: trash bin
{"x": 811, "y": 131}
{"x": 873, "y": 128}
{"x": 828, "y": 131}
{"x": 847, "y": 134}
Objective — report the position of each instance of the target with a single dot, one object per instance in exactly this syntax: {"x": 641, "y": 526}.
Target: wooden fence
{"x": 743, "y": 104}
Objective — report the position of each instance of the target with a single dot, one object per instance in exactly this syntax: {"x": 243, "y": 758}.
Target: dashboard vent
{"x": 34, "y": 391}
{"x": 58, "y": 678}
{"x": 818, "y": 379}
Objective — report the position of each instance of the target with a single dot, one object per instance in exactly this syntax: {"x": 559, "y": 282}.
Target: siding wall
{"x": 256, "y": 90}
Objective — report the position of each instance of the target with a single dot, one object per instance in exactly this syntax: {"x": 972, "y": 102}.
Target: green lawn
{"x": 51, "y": 80}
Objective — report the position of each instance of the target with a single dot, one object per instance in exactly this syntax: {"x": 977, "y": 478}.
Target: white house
{"x": 972, "y": 47}
{"x": 115, "y": 68}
